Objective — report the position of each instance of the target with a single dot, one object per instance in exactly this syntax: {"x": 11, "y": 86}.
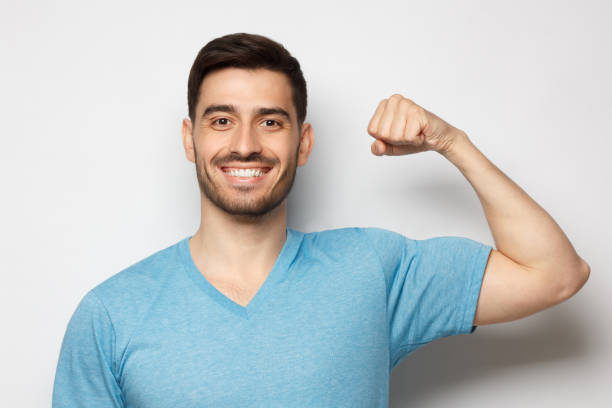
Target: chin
{"x": 244, "y": 201}
{"x": 248, "y": 200}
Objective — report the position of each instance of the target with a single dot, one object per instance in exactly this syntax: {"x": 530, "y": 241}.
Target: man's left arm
{"x": 534, "y": 266}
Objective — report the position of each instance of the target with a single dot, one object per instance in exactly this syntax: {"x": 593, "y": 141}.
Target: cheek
{"x": 208, "y": 149}
{"x": 284, "y": 149}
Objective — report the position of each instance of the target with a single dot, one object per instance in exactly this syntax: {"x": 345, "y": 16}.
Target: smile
{"x": 245, "y": 172}
{"x": 250, "y": 175}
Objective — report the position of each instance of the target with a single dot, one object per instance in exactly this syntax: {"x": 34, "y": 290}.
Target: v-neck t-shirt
{"x": 338, "y": 311}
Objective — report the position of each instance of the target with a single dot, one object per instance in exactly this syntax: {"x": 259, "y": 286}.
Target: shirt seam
{"x": 401, "y": 349}
{"x": 478, "y": 261}
{"x": 114, "y": 351}
{"x": 380, "y": 264}
{"x": 382, "y": 273}
{"x": 412, "y": 344}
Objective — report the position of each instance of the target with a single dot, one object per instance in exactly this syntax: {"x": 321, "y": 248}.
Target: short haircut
{"x": 249, "y": 51}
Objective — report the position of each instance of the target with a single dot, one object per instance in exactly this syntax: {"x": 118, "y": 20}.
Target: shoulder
{"x": 337, "y": 240}
{"x": 372, "y": 237}
{"x": 142, "y": 276}
{"x": 128, "y": 294}
{"x": 389, "y": 243}
{"x": 379, "y": 244}
{"x": 334, "y": 236}
{"x": 383, "y": 238}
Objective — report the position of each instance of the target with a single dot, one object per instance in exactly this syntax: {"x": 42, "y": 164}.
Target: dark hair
{"x": 249, "y": 51}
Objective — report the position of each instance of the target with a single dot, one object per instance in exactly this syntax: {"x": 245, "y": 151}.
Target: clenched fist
{"x": 400, "y": 126}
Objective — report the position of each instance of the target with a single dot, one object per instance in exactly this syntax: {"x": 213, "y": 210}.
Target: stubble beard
{"x": 242, "y": 206}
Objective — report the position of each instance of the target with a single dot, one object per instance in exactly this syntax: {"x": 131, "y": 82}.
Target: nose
{"x": 245, "y": 141}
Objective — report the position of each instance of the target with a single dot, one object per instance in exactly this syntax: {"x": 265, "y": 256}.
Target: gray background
{"x": 94, "y": 176}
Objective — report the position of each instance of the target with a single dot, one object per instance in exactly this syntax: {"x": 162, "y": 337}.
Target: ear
{"x": 306, "y": 143}
{"x": 187, "y": 133}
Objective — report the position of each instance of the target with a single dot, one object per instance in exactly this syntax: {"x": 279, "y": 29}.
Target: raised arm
{"x": 534, "y": 266}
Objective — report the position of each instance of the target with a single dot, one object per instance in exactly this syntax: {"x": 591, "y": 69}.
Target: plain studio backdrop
{"x": 94, "y": 176}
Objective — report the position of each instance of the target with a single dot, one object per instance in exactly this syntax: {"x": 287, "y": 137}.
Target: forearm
{"x": 522, "y": 230}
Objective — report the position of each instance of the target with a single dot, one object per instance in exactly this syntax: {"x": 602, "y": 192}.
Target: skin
{"x": 242, "y": 228}
{"x": 534, "y": 266}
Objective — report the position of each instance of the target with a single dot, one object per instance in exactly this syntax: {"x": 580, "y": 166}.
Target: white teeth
{"x": 245, "y": 172}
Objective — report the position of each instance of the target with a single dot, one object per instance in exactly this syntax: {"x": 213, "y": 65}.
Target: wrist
{"x": 456, "y": 140}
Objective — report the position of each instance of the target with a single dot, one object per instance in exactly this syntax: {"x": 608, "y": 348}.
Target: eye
{"x": 273, "y": 122}
{"x": 221, "y": 121}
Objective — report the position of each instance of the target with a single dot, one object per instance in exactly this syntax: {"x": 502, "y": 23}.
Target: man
{"x": 250, "y": 313}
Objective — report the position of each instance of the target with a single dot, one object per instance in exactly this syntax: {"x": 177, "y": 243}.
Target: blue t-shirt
{"x": 339, "y": 309}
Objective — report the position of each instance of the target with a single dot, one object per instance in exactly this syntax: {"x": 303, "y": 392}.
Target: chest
{"x": 289, "y": 361}
{"x": 320, "y": 340}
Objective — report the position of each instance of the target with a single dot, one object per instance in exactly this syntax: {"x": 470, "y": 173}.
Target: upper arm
{"x": 511, "y": 291}
{"x": 432, "y": 286}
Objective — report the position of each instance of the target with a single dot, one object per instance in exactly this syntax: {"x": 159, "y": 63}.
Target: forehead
{"x": 246, "y": 88}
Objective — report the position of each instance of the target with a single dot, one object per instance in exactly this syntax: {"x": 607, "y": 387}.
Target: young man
{"x": 247, "y": 312}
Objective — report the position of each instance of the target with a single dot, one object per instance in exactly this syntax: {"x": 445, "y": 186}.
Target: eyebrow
{"x": 275, "y": 110}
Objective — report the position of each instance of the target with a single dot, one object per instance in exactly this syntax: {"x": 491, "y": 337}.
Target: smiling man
{"x": 250, "y": 182}
{"x": 248, "y": 312}
{"x": 246, "y": 142}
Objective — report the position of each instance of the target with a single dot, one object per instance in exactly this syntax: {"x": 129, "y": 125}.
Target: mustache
{"x": 252, "y": 158}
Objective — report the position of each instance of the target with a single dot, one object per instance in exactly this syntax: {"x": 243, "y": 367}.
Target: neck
{"x": 230, "y": 247}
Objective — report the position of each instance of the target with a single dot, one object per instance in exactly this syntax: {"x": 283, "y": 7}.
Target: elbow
{"x": 587, "y": 270}
{"x": 579, "y": 280}
{"x": 584, "y": 275}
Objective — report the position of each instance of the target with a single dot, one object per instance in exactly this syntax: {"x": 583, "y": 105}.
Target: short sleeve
{"x": 433, "y": 286}
{"x": 84, "y": 375}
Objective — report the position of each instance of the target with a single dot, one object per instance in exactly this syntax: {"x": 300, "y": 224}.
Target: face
{"x": 245, "y": 140}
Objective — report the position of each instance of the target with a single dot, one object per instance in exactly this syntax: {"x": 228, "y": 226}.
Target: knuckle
{"x": 406, "y": 104}
{"x": 415, "y": 109}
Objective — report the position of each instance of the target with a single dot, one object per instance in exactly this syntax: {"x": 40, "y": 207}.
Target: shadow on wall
{"x": 463, "y": 360}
